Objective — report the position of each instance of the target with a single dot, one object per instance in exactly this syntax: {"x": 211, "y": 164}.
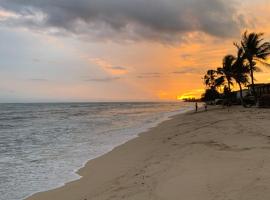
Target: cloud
{"x": 159, "y": 20}
{"x": 6, "y": 91}
{"x": 104, "y": 79}
{"x": 107, "y": 66}
{"x": 39, "y": 79}
{"x": 36, "y": 60}
{"x": 188, "y": 70}
{"x": 149, "y": 75}
{"x": 119, "y": 68}
{"x": 185, "y": 56}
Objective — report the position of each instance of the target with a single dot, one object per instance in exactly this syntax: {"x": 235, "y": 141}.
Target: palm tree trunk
{"x": 252, "y": 82}
{"x": 252, "y": 79}
{"x": 228, "y": 82}
{"x": 229, "y": 93}
{"x": 241, "y": 95}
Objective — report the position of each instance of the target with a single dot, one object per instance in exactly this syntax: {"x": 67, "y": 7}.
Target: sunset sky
{"x": 119, "y": 50}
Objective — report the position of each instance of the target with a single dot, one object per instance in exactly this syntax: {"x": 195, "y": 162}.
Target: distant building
{"x": 245, "y": 92}
{"x": 260, "y": 89}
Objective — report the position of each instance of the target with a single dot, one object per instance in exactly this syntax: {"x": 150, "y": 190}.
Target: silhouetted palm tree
{"x": 219, "y": 82}
{"x": 210, "y": 78}
{"x": 226, "y": 71}
{"x": 255, "y": 50}
{"x": 240, "y": 72}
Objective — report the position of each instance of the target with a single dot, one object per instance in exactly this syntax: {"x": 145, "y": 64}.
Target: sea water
{"x": 43, "y": 145}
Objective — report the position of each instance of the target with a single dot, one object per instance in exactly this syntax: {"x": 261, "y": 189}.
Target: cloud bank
{"x": 158, "y": 20}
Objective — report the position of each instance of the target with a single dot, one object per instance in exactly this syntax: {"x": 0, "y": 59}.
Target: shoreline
{"x": 168, "y": 116}
{"x": 182, "y": 157}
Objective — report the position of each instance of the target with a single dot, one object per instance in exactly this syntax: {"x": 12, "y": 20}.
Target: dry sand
{"x": 214, "y": 155}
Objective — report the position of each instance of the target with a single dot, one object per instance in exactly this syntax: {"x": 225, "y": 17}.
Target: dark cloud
{"x": 104, "y": 79}
{"x": 161, "y": 20}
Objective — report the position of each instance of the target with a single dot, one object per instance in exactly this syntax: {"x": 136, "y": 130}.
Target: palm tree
{"x": 240, "y": 72}
{"x": 210, "y": 78}
{"x": 255, "y": 50}
{"x": 226, "y": 71}
{"x": 219, "y": 82}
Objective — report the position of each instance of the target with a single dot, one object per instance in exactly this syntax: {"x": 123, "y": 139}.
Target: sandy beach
{"x": 217, "y": 155}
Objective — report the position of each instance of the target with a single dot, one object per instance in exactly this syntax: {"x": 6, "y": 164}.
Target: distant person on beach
{"x": 196, "y": 107}
{"x": 205, "y": 106}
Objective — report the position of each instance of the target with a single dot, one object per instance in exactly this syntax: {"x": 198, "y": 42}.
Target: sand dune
{"x": 214, "y": 155}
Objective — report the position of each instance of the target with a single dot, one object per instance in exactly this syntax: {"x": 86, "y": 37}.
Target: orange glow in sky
{"x": 63, "y": 66}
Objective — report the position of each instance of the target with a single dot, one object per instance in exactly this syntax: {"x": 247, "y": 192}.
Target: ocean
{"x": 43, "y": 145}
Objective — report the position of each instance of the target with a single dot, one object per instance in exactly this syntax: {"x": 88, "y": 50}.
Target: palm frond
{"x": 262, "y": 62}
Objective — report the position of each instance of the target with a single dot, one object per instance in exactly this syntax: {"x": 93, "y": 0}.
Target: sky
{"x": 119, "y": 50}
